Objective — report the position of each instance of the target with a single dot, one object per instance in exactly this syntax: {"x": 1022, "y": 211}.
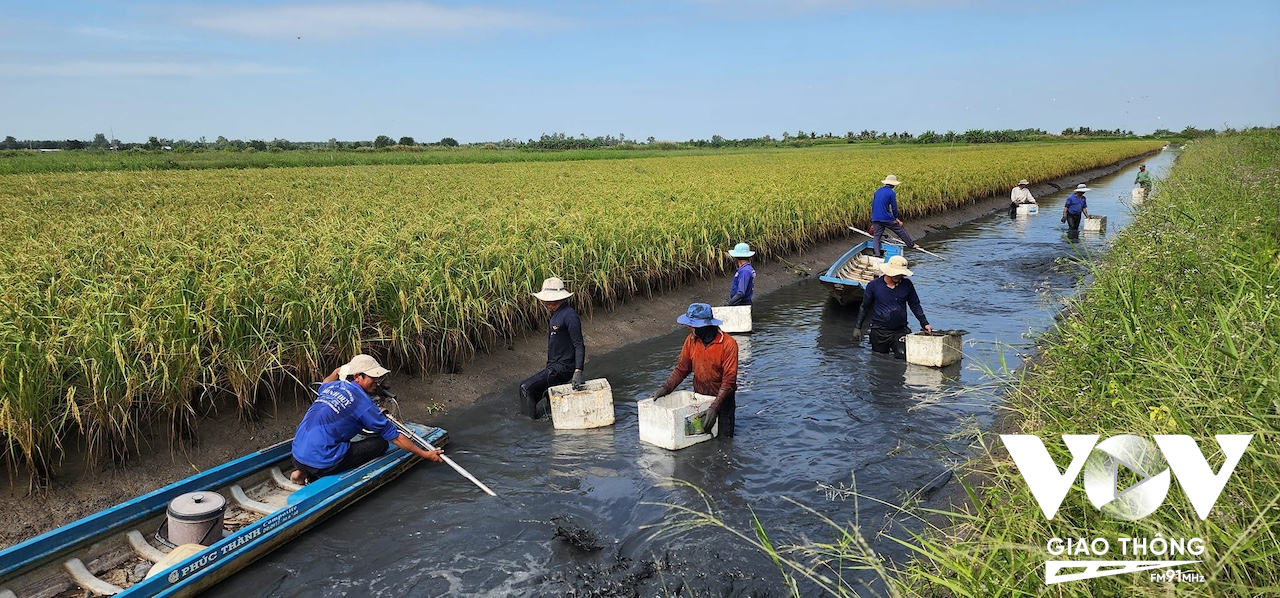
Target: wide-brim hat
{"x": 699, "y": 315}
{"x": 1081, "y": 188}
{"x": 363, "y": 364}
{"x": 741, "y": 250}
{"x": 895, "y": 266}
{"x": 890, "y": 180}
{"x": 553, "y": 290}
{"x": 1023, "y": 182}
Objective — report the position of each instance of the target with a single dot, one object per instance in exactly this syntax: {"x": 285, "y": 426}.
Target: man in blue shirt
{"x": 1073, "y": 209}
{"x": 743, "y": 287}
{"x": 885, "y": 302}
{"x": 566, "y": 351}
{"x": 884, "y": 214}
{"x": 322, "y": 444}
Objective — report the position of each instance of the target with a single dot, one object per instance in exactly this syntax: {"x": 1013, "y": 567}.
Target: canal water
{"x": 817, "y": 413}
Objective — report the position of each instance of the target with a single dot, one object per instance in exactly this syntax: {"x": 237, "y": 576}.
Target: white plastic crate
{"x": 736, "y": 318}
{"x": 591, "y": 407}
{"x": 1026, "y": 209}
{"x": 934, "y": 350}
{"x": 1097, "y": 224}
{"x": 666, "y": 421}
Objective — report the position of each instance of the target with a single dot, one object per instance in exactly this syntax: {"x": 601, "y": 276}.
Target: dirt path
{"x": 78, "y": 491}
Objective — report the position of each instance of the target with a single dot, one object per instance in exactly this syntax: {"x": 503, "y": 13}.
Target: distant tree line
{"x": 561, "y": 141}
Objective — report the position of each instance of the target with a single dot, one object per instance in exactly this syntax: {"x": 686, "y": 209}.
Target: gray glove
{"x": 708, "y": 420}
{"x": 577, "y": 381}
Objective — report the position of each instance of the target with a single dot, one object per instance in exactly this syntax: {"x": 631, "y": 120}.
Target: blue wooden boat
{"x": 108, "y": 553}
{"x": 849, "y": 275}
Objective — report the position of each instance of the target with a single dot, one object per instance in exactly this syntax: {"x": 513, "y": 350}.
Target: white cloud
{"x": 168, "y": 69}
{"x": 337, "y": 21}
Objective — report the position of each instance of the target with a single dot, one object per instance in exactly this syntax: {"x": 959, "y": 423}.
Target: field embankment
{"x": 135, "y": 297}
{"x": 1178, "y": 334}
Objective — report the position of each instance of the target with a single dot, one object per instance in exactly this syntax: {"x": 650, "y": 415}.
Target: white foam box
{"x": 1027, "y": 209}
{"x": 1096, "y": 224}
{"x": 1139, "y": 195}
{"x": 736, "y": 318}
{"x": 663, "y": 419}
{"x": 933, "y": 350}
{"x": 591, "y": 407}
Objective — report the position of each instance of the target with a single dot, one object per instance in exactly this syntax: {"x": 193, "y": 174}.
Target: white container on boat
{"x": 591, "y": 407}
{"x": 1096, "y": 224}
{"x": 934, "y": 350}
{"x": 1139, "y": 195}
{"x": 1026, "y": 209}
{"x": 672, "y": 421}
{"x": 736, "y": 318}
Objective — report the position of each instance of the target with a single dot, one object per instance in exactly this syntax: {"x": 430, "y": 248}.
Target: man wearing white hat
{"x": 742, "y": 289}
{"x": 1020, "y": 196}
{"x": 885, "y": 302}
{"x": 566, "y": 351}
{"x": 322, "y": 444}
{"x": 1073, "y": 209}
{"x": 884, "y": 214}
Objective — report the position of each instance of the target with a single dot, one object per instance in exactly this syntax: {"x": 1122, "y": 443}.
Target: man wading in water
{"x": 712, "y": 356}
{"x": 885, "y": 302}
{"x": 566, "y": 350}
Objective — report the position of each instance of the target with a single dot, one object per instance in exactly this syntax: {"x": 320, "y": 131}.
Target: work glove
{"x": 1064, "y": 218}
{"x": 708, "y": 420}
{"x": 577, "y": 381}
{"x": 857, "y": 336}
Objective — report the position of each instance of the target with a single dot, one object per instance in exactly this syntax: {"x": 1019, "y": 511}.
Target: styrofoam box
{"x": 1095, "y": 224}
{"x": 1139, "y": 195}
{"x": 662, "y": 419}
{"x": 591, "y": 407}
{"x": 933, "y": 350}
{"x": 735, "y": 318}
{"x": 1028, "y": 208}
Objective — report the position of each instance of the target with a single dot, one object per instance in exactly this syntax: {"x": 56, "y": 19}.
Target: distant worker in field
{"x": 1143, "y": 180}
{"x": 1021, "y": 195}
{"x": 885, "y": 302}
{"x": 322, "y": 444}
{"x": 1073, "y": 209}
{"x": 566, "y": 351}
{"x": 884, "y": 214}
{"x": 712, "y": 356}
{"x": 743, "y": 287}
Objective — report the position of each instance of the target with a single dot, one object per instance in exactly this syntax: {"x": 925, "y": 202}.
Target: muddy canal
{"x": 815, "y": 410}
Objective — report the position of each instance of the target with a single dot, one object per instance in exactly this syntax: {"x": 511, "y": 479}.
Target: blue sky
{"x": 670, "y": 69}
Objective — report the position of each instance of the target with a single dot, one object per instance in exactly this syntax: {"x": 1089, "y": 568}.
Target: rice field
{"x": 136, "y": 297}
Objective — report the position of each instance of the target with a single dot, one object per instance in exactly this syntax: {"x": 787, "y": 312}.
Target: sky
{"x": 488, "y": 70}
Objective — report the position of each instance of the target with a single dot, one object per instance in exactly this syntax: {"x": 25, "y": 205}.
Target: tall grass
{"x": 1178, "y": 334}
{"x": 126, "y": 296}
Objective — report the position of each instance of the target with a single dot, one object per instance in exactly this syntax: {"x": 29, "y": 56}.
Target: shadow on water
{"x": 815, "y": 409}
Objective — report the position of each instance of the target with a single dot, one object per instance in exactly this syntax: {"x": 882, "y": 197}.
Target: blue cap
{"x": 741, "y": 250}
{"x": 699, "y": 315}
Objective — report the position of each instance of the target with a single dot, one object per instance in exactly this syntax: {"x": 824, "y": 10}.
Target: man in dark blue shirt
{"x": 322, "y": 444}
{"x": 566, "y": 350}
{"x": 885, "y": 302}
{"x": 1073, "y": 209}
{"x": 743, "y": 287}
{"x": 884, "y": 214}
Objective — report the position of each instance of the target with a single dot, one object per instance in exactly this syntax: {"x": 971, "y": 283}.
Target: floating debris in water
{"x": 577, "y": 536}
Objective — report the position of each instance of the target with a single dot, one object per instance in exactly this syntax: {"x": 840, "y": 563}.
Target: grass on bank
{"x": 1178, "y": 334}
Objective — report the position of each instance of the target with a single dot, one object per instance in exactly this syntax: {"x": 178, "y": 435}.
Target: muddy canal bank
{"x": 480, "y": 383}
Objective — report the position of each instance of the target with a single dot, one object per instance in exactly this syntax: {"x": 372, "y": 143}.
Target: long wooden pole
{"x": 860, "y": 231}
{"x": 407, "y": 431}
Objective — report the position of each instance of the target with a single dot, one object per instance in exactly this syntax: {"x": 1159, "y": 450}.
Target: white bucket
{"x": 667, "y": 421}
{"x": 735, "y": 318}
{"x": 591, "y": 407}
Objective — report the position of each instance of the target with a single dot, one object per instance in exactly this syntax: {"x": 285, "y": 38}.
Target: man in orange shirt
{"x": 712, "y": 356}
